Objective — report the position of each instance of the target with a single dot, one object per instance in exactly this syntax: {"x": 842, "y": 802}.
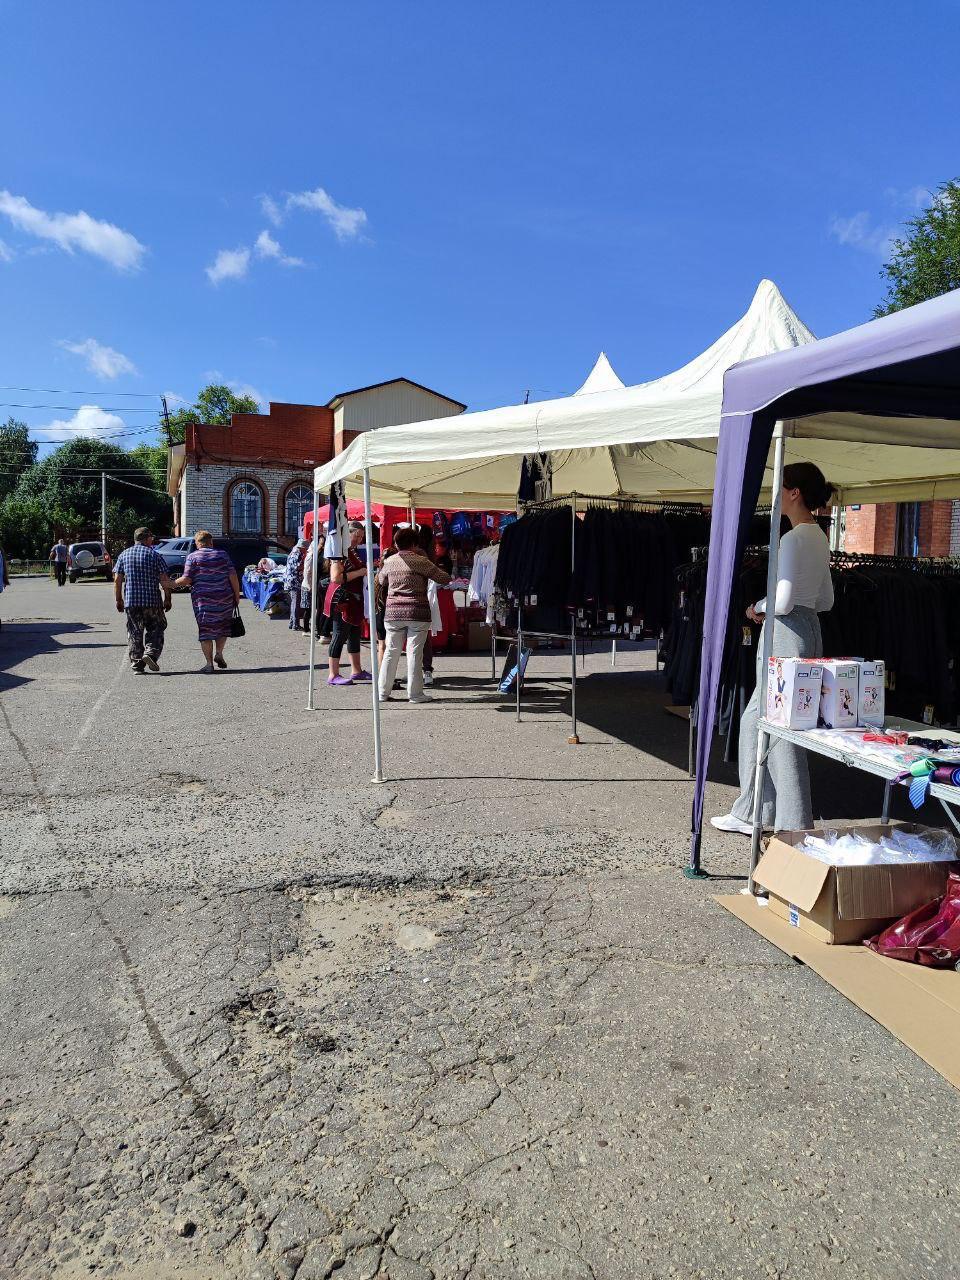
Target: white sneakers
{"x": 729, "y": 823}
{"x": 427, "y": 679}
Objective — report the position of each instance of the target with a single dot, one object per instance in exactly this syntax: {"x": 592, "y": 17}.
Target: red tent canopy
{"x": 355, "y": 511}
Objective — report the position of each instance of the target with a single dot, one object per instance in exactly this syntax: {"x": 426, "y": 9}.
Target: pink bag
{"x": 929, "y": 935}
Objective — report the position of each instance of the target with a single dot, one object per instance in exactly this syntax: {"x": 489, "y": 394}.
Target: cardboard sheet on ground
{"x": 920, "y": 1006}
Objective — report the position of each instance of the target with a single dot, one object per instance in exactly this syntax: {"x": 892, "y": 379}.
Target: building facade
{"x": 253, "y": 479}
{"x": 903, "y": 528}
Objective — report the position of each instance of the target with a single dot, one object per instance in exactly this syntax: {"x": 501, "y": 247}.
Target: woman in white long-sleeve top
{"x": 804, "y": 590}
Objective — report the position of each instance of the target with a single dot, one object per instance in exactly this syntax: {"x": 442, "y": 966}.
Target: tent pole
{"x": 311, "y": 616}
{"x": 574, "y": 739}
{"x": 769, "y": 623}
{"x": 374, "y": 656}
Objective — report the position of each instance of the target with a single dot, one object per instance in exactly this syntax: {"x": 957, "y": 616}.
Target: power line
{"x": 73, "y": 408}
{"x": 56, "y": 391}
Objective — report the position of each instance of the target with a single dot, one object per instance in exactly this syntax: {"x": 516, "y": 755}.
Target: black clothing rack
{"x": 575, "y": 502}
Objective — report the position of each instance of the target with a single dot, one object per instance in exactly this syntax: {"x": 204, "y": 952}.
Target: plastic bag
{"x": 932, "y": 845}
{"x": 929, "y": 935}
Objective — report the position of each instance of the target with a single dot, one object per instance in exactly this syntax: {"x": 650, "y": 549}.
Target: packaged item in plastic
{"x": 929, "y": 935}
{"x": 919, "y": 846}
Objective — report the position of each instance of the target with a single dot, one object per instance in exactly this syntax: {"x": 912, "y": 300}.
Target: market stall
{"x": 655, "y": 440}
{"x": 893, "y": 385}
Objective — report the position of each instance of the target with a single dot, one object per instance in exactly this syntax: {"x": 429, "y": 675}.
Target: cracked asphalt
{"x": 262, "y": 1019}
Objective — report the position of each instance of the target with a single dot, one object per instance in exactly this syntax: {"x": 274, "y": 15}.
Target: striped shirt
{"x": 142, "y": 569}
{"x": 406, "y": 574}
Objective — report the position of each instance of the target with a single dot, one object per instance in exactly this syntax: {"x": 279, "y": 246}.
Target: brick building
{"x": 254, "y": 478}
{"x": 904, "y": 528}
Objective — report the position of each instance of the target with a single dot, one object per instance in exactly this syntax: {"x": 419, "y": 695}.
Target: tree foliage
{"x": 926, "y": 261}
{"x": 214, "y": 406}
{"x": 67, "y": 482}
{"x": 18, "y": 453}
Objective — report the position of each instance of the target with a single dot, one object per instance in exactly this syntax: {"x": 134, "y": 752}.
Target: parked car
{"x": 89, "y": 560}
{"x": 242, "y": 551}
{"x": 174, "y": 552}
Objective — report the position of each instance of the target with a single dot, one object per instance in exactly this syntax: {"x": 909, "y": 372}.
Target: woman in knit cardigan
{"x": 407, "y": 616}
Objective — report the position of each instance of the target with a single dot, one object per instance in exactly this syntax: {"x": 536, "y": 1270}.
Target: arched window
{"x": 297, "y": 501}
{"x": 246, "y": 507}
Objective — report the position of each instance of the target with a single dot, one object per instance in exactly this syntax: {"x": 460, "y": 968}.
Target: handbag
{"x": 236, "y": 624}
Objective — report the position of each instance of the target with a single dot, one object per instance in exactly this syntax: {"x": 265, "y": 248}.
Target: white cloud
{"x": 271, "y": 210}
{"x": 71, "y": 231}
{"x": 173, "y": 399}
{"x": 859, "y": 231}
{"x": 265, "y": 341}
{"x": 6, "y": 253}
{"x": 267, "y": 247}
{"x": 347, "y": 223}
{"x": 245, "y": 389}
{"x": 910, "y": 198}
{"x": 89, "y": 420}
{"x": 229, "y": 264}
{"x": 103, "y": 361}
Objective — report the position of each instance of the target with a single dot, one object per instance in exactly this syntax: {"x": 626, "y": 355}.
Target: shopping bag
{"x": 929, "y": 935}
{"x": 236, "y": 623}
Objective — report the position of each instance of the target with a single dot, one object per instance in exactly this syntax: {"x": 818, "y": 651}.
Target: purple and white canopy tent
{"x": 891, "y": 388}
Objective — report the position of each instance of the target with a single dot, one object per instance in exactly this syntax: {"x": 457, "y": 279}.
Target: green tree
{"x": 68, "y": 481}
{"x": 926, "y": 262}
{"x": 29, "y": 526}
{"x": 18, "y": 453}
{"x": 214, "y": 406}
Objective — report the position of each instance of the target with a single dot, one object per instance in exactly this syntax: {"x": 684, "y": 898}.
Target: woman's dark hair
{"x": 815, "y": 491}
{"x": 424, "y": 536}
{"x": 403, "y": 539}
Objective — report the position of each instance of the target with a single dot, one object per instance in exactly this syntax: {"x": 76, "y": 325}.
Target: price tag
{"x": 928, "y": 714}
{"x": 533, "y": 598}
{"x": 747, "y": 637}
{"x": 611, "y": 615}
{"x": 629, "y": 610}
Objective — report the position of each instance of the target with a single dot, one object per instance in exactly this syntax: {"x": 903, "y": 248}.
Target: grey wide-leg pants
{"x": 786, "y": 790}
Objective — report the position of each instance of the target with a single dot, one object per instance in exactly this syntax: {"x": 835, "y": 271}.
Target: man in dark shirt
{"x": 139, "y": 577}
{"x": 58, "y": 558}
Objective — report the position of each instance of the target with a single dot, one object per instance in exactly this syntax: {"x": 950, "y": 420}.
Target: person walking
{"x": 215, "y": 593}
{"x": 804, "y": 590}
{"x": 343, "y": 605}
{"x": 58, "y": 558}
{"x": 142, "y": 587}
{"x": 4, "y": 574}
{"x": 407, "y": 612}
{"x": 293, "y": 582}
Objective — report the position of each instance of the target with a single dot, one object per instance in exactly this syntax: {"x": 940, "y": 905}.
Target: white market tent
{"x": 655, "y": 439}
{"x": 602, "y": 377}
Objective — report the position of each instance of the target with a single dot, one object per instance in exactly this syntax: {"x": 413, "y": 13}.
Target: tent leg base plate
{"x": 574, "y": 740}
{"x": 695, "y": 873}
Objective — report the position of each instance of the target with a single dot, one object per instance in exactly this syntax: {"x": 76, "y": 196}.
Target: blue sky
{"x": 479, "y": 197}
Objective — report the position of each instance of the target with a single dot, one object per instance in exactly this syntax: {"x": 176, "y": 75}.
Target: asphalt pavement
{"x": 263, "y": 1019}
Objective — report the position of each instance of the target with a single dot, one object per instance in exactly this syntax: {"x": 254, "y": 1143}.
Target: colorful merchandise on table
{"x": 793, "y": 693}
{"x": 871, "y": 702}
{"x": 930, "y": 935}
{"x": 839, "y": 699}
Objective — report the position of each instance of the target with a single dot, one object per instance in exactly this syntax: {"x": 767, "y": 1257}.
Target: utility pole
{"x": 103, "y": 507}
{"x": 165, "y": 414}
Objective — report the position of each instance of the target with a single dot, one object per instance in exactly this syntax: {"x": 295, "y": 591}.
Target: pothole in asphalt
{"x": 346, "y": 933}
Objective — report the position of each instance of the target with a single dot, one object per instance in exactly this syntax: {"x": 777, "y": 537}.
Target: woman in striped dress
{"x": 215, "y": 591}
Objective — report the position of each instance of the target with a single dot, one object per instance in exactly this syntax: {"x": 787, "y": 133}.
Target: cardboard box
{"x": 478, "y": 636}
{"x": 839, "y": 697}
{"x": 793, "y": 692}
{"x": 871, "y": 702}
{"x": 844, "y": 904}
